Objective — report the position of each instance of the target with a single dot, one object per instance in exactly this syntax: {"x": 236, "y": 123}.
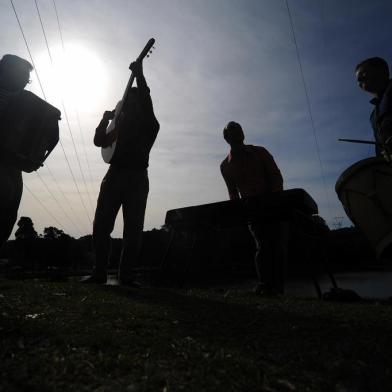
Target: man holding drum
{"x": 364, "y": 187}
{"x": 373, "y": 77}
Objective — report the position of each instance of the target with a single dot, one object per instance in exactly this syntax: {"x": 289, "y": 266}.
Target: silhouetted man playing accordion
{"x": 28, "y": 133}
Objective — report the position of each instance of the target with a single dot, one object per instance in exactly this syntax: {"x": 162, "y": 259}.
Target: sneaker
{"x": 262, "y": 289}
{"x": 95, "y": 279}
{"x": 259, "y": 289}
{"x": 129, "y": 282}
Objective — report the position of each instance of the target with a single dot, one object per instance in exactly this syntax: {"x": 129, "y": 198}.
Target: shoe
{"x": 129, "y": 282}
{"x": 95, "y": 279}
{"x": 259, "y": 289}
{"x": 263, "y": 289}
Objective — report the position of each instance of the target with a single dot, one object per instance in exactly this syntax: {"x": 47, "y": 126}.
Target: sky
{"x": 215, "y": 61}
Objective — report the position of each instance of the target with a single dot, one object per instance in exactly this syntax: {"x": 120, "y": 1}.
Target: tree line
{"x": 228, "y": 251}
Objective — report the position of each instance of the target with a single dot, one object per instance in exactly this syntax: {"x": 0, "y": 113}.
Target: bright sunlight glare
{"x": 74, "y": 75}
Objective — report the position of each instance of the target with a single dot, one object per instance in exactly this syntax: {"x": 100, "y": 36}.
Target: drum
{"x": 365, "y": 190}
{"x": 29, "y": 131}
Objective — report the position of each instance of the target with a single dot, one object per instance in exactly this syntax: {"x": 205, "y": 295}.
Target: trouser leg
{"x": 271, "y": 254}
{"x": 134, "y": 207}
{"x": 108, "y": 205}
{"x": 11, "y": 188}
{"x": 263, "y": 255}
{"x": 280, "y": 248}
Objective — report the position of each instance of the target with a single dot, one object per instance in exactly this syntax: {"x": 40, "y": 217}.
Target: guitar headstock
{"x": 147, "y": 50}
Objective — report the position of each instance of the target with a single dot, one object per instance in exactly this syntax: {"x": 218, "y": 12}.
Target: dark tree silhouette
{"x": 52, "y": 233}
{"x": 25, "y": 229}
{"x": 25, "y": 254}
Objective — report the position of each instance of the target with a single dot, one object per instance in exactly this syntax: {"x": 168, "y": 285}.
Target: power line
{"x": 308, "y": 104}
{"x": 57, "y": 202}
{"x": 65, "y": 112}
{"x": 77, "y": 158}
{"x": 43, "y": 30}
{"x": 77, "y": 112}
{"x": 43, "y": 93}
{"x": 58, "y": 24}
{"x": 43, "y": 206}
{"x": 64, "y": 195}
{"x": 84, "y": 148}
{"x": 75, "y": 182}
{"x": 28, "y": 48}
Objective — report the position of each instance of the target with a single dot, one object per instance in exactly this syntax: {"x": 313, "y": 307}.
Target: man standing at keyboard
{"x": 251, "y": 171}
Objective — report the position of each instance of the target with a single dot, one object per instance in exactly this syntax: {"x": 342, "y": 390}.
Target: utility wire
{"x": 75, "y": 182}
{"x": 65, "y": 197}
{"x": 57, "y": 202}
{"x": 28, "y": 48}
{"x": 58, "y": 24}
{"x": 44, "y": 95}
{"x": 84, "y": 148}
{"x": 77, "y": 112}
{"x": 326, "y": 61}
{"x": 308, "y": 104}
{"x": 65, "y": 113}
{"x": 44, "y": 207}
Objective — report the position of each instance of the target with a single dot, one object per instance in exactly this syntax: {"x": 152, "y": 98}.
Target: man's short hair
{"x": 11, "y": 61}
{"x": 232, "y": 126}
{"x": 376, "y": 62}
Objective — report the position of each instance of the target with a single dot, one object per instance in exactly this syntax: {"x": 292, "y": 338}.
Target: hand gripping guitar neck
{"x": 108, "y": 152}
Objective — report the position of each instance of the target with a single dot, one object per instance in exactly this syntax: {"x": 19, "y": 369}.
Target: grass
{"x": 74, "y": 337}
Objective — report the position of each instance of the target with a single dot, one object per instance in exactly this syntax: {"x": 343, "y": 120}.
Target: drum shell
{"x": 365, "y": 190}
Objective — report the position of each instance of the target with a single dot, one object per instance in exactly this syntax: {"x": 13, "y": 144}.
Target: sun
{"x": 74, "y": 75}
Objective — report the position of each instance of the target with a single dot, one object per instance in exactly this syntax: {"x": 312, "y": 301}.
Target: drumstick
{"x": 359, "y": 141}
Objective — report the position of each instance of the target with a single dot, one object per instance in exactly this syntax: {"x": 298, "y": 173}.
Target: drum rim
{"x": 343, "y": 178}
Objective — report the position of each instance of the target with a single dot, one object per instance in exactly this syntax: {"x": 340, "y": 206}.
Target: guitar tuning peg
{"x": 153, "y": 47}
{"x": 150, "y": 51}
{"x": 148, "y": 55}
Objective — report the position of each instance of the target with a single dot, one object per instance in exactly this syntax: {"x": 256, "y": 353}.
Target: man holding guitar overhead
{"x": 126, "y": 182}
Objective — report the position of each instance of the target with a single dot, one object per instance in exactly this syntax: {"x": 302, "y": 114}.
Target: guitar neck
{"x": 127, "y": 89}
{"x": 142, "y": 55}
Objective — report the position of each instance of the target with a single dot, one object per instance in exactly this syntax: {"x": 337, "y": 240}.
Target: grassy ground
{"x": 73, "y": 337}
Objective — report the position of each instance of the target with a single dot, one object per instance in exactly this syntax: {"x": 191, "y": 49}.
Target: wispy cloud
{"x": 215, "y": 62}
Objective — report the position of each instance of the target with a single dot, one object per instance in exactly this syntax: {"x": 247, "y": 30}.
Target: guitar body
{"x": 108, "y": 152}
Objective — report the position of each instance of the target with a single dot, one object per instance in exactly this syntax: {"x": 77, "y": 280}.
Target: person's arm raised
{"x": 101, "y": 138}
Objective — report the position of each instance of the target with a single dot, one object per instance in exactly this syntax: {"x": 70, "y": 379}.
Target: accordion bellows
{"x": 29, "y": 131}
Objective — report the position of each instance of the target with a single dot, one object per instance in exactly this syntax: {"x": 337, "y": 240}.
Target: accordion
{"x": 29, "y": 131}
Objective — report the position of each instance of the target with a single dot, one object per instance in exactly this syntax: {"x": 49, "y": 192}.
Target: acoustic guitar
{"x": 109, "y": 151}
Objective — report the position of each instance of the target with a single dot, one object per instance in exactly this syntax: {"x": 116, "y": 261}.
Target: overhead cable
{"x": 308, "y": 105}
{"x": 43, "y": 206}
{"x": 77, "y": 112}
{"x": 44, "y": 95}
{"x": 65, "y": 111}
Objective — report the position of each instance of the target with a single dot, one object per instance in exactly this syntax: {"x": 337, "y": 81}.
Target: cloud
{"x": 215, "y": 62}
